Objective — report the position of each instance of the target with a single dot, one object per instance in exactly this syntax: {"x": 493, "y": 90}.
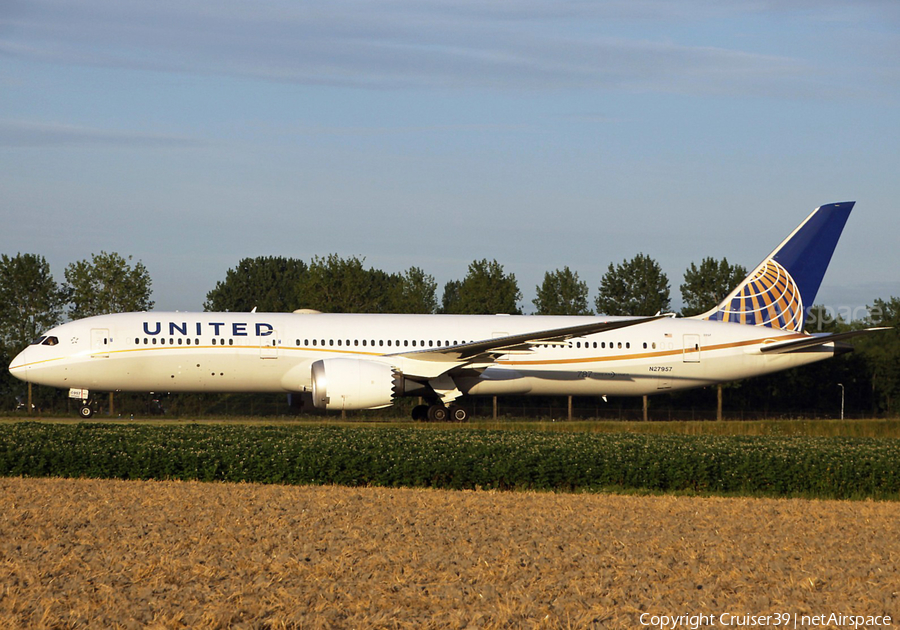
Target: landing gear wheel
{"x": 438, "y": 413}
{"x": 459, "y": 414}
{"x": 420, "y": 412}
{"x": 86, "y": 411}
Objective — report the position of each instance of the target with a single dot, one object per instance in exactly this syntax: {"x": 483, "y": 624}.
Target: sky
{"x": 190, "y": 135}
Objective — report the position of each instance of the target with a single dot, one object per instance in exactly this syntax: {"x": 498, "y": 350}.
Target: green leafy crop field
{"x": 469, "y": 458}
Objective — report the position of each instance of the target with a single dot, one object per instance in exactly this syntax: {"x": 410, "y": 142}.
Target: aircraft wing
{"x": 815, "y": 340}
{"x": 488, "y": 349}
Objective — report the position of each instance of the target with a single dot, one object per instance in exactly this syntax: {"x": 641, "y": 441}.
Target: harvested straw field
{"x": 139, "y": 554}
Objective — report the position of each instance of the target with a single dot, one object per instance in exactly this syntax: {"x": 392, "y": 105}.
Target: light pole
{"x": 841, "y": 385}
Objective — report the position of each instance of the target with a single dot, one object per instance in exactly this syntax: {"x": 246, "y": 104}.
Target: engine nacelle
{"x": 352, "y": 384}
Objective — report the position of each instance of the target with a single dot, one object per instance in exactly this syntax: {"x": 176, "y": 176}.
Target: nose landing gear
{"x": 86, "y": 410}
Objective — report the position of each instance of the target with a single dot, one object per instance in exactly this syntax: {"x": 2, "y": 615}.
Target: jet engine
{"x": 357, "y": 384}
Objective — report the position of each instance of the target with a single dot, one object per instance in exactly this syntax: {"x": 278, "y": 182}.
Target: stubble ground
{"x": 136, "y": 554}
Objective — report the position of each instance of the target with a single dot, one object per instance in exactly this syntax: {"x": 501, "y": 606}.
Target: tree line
{"x": 343, "y": 285}
{"x": 32, "y": 301}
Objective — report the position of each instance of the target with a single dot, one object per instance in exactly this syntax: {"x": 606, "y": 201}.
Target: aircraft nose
{"x": 18, "y": 367}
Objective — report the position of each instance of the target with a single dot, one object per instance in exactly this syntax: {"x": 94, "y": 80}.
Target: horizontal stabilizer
{"x": 815, "y": 340}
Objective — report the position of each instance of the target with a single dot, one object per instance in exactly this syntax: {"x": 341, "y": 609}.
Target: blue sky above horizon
{"x": 542, "y": 134}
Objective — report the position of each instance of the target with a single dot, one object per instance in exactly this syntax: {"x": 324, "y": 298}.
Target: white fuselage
{"x": 274, "y": 352}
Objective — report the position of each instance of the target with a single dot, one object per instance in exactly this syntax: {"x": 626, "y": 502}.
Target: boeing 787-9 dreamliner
{"x": 366, "y": 361}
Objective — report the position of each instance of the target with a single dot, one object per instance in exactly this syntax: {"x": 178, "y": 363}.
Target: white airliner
{"x": 363, "y": 361}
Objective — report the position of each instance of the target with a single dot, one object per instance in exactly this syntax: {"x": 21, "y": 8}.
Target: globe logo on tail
{"x": 769, "y": 297}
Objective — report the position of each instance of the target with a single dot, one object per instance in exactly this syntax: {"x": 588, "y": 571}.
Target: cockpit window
{"x": 50, "y": 341}
{"x": 39, "y": 340}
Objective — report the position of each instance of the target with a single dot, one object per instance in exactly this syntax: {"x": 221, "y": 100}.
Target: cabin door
{"x": 100, "y": 343}
{"x": 269, "y": 345}
{"x": 692, "y": 348}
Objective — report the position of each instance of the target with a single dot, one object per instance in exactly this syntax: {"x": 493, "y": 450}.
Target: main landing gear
{"x": 440, "y": 413}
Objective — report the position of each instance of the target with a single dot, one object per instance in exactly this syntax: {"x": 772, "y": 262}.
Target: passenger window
{"x": 620, "y": 345}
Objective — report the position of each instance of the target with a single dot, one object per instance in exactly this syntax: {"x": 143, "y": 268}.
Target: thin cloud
{"x": 22, "y": 134}
{"x": 362, "y": 131}
{"x": 534, "y": 46}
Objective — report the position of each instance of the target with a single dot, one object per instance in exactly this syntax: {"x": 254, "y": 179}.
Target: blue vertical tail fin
{"x": 778, "y": 293}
